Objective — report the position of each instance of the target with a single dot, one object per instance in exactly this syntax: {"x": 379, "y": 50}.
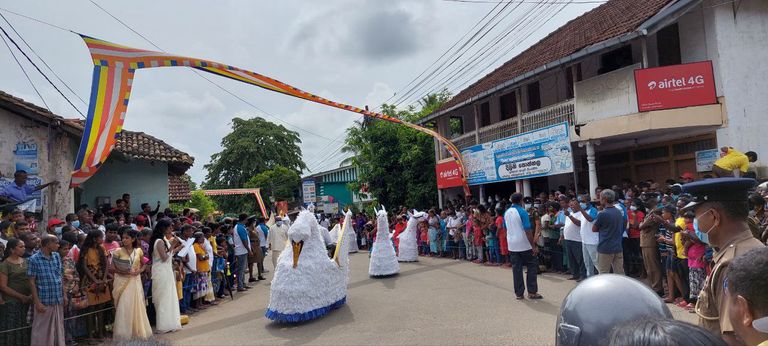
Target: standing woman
{"x": 131, "y": 320}
{"x": 75, "y": 327}
{"x": 434, "y": 225}
{"x": 16, "y": 293}
{"x": 164, "y": 295}
{"x": 92, "y": 267}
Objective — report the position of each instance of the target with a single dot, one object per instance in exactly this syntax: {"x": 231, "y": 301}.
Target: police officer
{"x": 721, "y": 210}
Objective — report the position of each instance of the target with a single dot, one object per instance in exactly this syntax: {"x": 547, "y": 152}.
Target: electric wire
{"x": 25, "y": 73}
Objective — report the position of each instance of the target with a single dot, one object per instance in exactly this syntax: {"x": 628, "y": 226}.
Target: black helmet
{"x": 595, "y": 306}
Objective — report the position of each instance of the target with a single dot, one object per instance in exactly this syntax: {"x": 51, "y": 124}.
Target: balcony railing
{"x": 550, "y": 115}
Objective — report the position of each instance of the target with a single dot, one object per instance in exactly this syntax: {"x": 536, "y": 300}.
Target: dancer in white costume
{"x": 351, "y": 237}
{"x": 408, "y": 250}
{"x": 383, "y": 259}
{"x": 308, "y": 284}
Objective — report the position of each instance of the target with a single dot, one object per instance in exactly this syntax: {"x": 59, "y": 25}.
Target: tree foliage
{"x": 198, "y": 201}
{"x": 397, "y": 163}
{"x": 254, "y": 146}
{"x": 279, "y": 183}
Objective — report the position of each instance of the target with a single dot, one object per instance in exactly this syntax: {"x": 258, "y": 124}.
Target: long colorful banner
{"x": 113, "y": 73}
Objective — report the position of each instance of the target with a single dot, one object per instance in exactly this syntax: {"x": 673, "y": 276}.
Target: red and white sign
{"x": 448, "y": 175}
{"x": 675, "y": 86}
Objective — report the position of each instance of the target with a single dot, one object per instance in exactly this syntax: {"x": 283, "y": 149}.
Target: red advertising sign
{"x": 448, "y": 175}
{"x": 675, "y": 86}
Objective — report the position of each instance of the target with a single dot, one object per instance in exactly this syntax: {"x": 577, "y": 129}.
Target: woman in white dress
{"x": 164, "y": 296}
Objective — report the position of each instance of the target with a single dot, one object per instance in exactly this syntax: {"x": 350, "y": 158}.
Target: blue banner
{"x": 544, "y": 152}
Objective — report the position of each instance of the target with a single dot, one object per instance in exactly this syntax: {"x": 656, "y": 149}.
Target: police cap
{"x": 719, "y": 190}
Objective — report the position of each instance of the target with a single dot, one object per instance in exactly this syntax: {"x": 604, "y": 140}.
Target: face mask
{"x": 527, "y": 206}
{"x": 583, "y": 205}
{"x": 279, "y": 223}
{"x": 537, "y": 206}
{"x": 58, "y": 229}
{"x": 76, "y": 224}
{"x": 633, "y": 208}
{"x": 703, "y": 236}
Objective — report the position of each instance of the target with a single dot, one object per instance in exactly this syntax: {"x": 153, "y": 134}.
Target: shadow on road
{"x": 310, "y": 330}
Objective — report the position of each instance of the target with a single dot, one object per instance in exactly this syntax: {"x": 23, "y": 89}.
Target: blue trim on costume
{"x": 383, "y": 276}
{"x": 304, "y": 316}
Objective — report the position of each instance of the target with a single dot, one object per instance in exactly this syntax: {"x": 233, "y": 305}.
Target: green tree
{"x": 198, "y": 201}
{"x": 397, "y": 162}
{"x": 278, "y": 183}
{"x": 254, "y": 146}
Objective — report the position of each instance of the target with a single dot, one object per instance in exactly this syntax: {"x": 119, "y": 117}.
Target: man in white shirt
{"x": 277, "y": 238}
{"x": 522, "y": 250}
{"x": 587, "y": 214}
{"x": 242, "y": 250}
{"x": 571, "y": 238}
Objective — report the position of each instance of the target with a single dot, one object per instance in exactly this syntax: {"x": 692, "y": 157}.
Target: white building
{"x": 584, "y": 73}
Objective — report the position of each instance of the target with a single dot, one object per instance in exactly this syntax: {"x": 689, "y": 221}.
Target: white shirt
{"x": 278, "y": 237}
{"x": 191, "y": 261}
{"x": 587, "y": 236}
{"x": 571, "y": 231}
{"x": 453, "y": 222}
{"x": 517, "y": 241}
{"x": 240, "y": 247}
{"x": 209, "y": 251}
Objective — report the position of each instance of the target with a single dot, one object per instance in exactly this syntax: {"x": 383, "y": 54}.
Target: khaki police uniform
{"x": 712, "y": 306}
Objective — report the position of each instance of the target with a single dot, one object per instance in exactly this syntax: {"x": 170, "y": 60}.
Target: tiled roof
{"x": 178, "y": 189}
{"x": 611, "y": 19}
{"x": 139, "y": 145}
{"x": 35, "y": 112}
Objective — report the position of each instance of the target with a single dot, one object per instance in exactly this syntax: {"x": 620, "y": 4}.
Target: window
{"x": 508, "y": 106}
{"x": 615, "y": 59}
{"x": 668, "y": 45}
{"x": 485, "y": 114}
{"x": 692, "y": 147}
{"x": 456, "y": 126}
{"x": 534, "y": 96}
{"x": 651, "y": 153}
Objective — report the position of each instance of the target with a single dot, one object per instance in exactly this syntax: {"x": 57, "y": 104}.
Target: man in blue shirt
{"x": 44, "y": 272}
{"x": 19, "y": 191}
{"x": 609, "y": 224}
{"x": 522, "y": 250}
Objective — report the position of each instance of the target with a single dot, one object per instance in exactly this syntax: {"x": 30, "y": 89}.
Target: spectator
{"x": 501, "y": 233}
{"x": 128, "y": 293}
{"x": 71, "y": 282}
{"x": 551, "y": 223}
{"x": 572, "y": 236}
{"x": 635, "y": 217}
{"x": 733, "y": 163}
{"x": 257, "y": 255}
{"x": 110, "y": 239}
{"x": 481, "y": 219}
{"x": 278, "y": 237}
{"x": 695, "y": 249}
{"x": 147, "y": 210}
{"x": 203, "y": 270}
{"x": 164, "y": 296}
{"x": 399, "y": 228}
{"x": 54, "y": 227}
{"x": 189, "y": 264}
{"x": 92, "y": 267}
{"x": 16, "y": 294}
{"x": 127, "y": 200}
{"x": 19, "y": 191}
{"x": 650, "y": 247}
{"x": 242, "y": 246}
{"x": 609, "y": 225}
{"x": 758, "y": 218}
{"x": 434, "y": 224}
{"x": 522, "y": 249}
{"x": 584, "y": 215}
{"x": 85, "y": 218}
{"x": 45, "y": 280}
{"x": 31, "y": 243}
{"x": 748, "y": 298}
{"x": 73, "y": 221}
{"x": 662, "y": 332}
{"x": 263, "y": 233}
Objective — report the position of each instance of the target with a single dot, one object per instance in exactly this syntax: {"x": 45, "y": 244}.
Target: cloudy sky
{"x": 360, "y": 52}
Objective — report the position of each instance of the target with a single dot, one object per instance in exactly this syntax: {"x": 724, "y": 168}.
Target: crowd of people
{"x": 115, "y": 272}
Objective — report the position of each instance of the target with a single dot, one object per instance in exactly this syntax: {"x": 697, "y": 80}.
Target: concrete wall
{"x": 146, "y": 182}
{"x": 740, "y": 33}
{"x": 54, "y": 164}
{"x": 339, "y": 192}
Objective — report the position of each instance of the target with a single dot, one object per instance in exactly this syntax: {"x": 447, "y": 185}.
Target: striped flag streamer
{"x": 113, "y": 73}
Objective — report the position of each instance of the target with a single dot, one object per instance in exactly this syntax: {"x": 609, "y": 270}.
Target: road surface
{"x": 434, "y": 301}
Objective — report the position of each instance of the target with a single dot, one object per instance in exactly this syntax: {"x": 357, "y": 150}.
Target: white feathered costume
{"x": 351, "y": 237}
{"x": 307, "y": 284}
{"x": 383, "y": 259}
{"x": 408, "y": 248}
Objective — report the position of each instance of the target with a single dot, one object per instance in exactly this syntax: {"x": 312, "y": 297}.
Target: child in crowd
{"x": 695, "y": 250}
{"x": 203, "y": 271}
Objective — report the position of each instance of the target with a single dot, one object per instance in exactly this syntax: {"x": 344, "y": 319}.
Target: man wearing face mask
{"x": 277, "y": 237}
{"x": 721, "y": 211}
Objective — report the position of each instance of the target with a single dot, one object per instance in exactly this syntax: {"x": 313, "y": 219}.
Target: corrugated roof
{"x": 609, "y": 20}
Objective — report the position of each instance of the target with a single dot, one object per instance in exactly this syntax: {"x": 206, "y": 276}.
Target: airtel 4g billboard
{"x": 675, "y": 86}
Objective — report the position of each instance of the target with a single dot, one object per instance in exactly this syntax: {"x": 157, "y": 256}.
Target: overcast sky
{"x": 358, "y": 52}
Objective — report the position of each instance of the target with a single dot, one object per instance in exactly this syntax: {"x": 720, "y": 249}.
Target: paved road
{"x": 434, "y": 301}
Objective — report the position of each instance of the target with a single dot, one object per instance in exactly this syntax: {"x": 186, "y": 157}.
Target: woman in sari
{"x": 131, "y": 320}
{"x": 92, "y": 267}
{"x": 164, "y": 295}
{"x": 16, "y": 294}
